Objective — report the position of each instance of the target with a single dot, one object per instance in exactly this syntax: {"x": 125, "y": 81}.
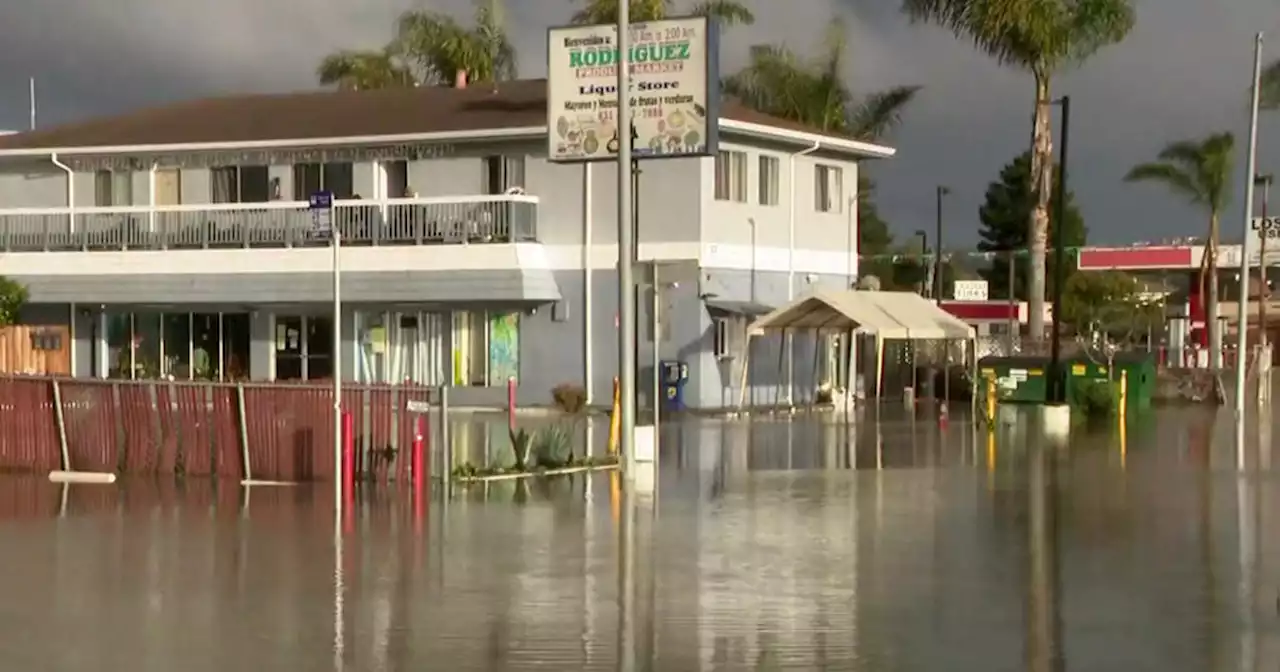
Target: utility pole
{"x": 937, "y": 243}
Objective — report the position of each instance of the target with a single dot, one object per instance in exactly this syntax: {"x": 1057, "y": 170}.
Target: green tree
{"x": 1109, "y": 302}
{"x": 1040, "y": 37}
{"x": 429, "y": 48}
{"x": 815, "y": 92}
{"x": 1200, "y": 171}
{"x": 1003, "y": 216}
{"x": 13, "y": 296}
{"x": 606, "y": 11}
{"x": 1269, "y": 92}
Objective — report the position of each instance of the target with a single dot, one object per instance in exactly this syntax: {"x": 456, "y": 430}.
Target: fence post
{"x": 63, "y": 450}
{"x": 122, "y": 432}
{"x": 244, "y": 433}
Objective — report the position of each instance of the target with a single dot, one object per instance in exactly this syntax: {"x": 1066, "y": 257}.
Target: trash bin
{"x": 674, "y": 376}
{"x": 1019, "y": 380}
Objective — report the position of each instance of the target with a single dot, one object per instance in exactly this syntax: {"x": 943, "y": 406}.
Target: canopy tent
{"x": 883, "y": 315}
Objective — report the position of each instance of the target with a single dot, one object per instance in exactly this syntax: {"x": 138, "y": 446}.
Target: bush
{"x": 569, "y": 397}
{"x": 1094, "y": 398}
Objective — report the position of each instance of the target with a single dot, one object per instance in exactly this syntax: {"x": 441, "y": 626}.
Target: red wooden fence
{"x": 196, "y": 429}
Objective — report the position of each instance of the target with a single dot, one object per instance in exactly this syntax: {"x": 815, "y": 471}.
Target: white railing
{"x": 401, "y": 221}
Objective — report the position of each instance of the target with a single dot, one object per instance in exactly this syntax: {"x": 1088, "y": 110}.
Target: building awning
{"x": 723, "y": 308}
{"x": 889, "y": 315}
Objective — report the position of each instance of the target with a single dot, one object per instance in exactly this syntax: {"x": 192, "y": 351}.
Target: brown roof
{"x": 327, "y": 114}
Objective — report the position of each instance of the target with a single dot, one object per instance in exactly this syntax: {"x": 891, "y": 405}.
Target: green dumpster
{"x": 1019, "y": 379}
{"x": 1138, "y": 369}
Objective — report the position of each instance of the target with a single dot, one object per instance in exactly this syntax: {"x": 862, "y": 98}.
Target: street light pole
{"x": 626, "y": 250}
{"x": 924, "y": 262}
{"x": 1057, "y": 386}
{"x": 1264, "y": 291}
{"x": 937, "y": 242}
{"x": 1242, "y": 310}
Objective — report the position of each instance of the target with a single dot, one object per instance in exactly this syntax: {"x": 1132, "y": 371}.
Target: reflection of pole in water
{"x": 1044, "y": 625}
{"x": 626, "y": 577}
{"x": 339, "y": 618}
{"x": 1245, "y": 526}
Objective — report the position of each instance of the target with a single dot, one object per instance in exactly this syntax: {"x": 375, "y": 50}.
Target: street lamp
{"x": 1242, "y": 314}
{"x": 937, "y": 242}
{"x": 924, "y": 260}
{"x": 1057, "y": 392}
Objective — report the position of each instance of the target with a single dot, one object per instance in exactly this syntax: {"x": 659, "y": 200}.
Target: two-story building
{"x": 176, "y": 242}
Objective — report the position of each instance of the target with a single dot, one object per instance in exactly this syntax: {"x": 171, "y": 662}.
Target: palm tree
{"x": 606, "y": 11}
{"x": 814, "y": 92}
{"x": 1041, "y": 37}
{"x": 429, "y": 48}
{"x": 1269, "y": 92}
{"x": 1199, "y": 170}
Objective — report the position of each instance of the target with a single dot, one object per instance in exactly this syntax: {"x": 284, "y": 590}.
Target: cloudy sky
{"x": 1183, "y": 72}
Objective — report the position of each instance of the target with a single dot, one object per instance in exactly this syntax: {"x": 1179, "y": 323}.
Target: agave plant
{"x": 521, "y": 443}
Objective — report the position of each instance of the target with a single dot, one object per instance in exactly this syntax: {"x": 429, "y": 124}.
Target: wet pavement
{"x": 810, "y": 544}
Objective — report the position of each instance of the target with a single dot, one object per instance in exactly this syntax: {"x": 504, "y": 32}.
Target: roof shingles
{"x": 329, "y": 114}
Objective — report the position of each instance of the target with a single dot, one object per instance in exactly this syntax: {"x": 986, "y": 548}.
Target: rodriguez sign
{"x": 674, "y": 92}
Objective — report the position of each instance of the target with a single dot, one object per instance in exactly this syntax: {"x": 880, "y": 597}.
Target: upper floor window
{"x": 770, "y": 177}
{"x": 112, "y": 188}
{"x": 828, "y": 188}
{"x": 502, "y": 173}
{"x": 240, "y": 184}
{"x": 731, "y": 176}
{"x": 336, "y": 178}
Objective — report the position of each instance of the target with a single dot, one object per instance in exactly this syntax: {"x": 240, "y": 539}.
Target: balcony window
{"x": 112, "y": 188}
{"x": 731, "y": 176}
{"x": 337, "y": 178}
{"x": 397, "y": 178}
{"x": 240, "y": 184}
{"x": 502, "y": 173}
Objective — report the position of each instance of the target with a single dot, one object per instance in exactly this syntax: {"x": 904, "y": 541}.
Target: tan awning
{"x": 889, "y": 315}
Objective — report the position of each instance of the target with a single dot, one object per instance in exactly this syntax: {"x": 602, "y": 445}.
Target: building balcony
{"x": 275, "y": 224}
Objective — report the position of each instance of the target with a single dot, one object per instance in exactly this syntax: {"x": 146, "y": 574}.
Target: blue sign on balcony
{"x": 322, "y": 212}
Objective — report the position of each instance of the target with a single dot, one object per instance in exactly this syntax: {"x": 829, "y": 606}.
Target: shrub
{"x": 553, "y": 447}
{"x": 569, "y": 397}
{"x": 1094, "y": 398}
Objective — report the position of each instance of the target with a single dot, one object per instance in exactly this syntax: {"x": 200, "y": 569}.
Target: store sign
{"x": 674, "y": 91}
{"x": 970, "y": 290}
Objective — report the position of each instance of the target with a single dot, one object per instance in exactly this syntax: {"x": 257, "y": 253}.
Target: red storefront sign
{"x": 1134, "y": 258}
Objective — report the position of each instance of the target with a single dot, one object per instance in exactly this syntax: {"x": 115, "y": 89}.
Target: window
{"x": 502, "y": 173}
{"x": 486, "y": 348}
{"x": 770, "y": 175}
{"x": 112, "y": 188}
{"x": 828, "y": 188}
{"x": 720, "y": 337}
{"x": 731, "y": 176}
{"x": 397, "y": 178}
{"x": 308, "y": 178}
{"x": 177, "y": 346}
{"x": 241, "y": 184}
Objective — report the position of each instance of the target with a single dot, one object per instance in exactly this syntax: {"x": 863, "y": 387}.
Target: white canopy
{"x": 888, "y": 315}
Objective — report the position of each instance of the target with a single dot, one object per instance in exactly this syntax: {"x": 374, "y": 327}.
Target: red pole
{"x": 511, "y": 404}
{"x": 348, "y": 458}
{"x": 417, "y": 456}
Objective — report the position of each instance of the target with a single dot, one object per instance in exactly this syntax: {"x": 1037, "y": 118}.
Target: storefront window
{"x": 504, "y": 348}
{"x": 204, "y": 346}
{"x": 371, "y": 334}
{"x": 177, "y": 346}
{"x": 146, "y": 345}
{"x": 235, "y": 346}
{"x": 119, "y": 345}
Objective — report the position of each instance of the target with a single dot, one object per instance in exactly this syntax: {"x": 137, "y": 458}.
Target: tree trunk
{"x": 1211, "y": 299}
{"x": 1042, "y": 191}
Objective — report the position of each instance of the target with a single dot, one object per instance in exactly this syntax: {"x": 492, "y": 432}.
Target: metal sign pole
{"x": 626, "y": 249}
{"x": 1242, "y": 307}
{"x": 322, "y": 220}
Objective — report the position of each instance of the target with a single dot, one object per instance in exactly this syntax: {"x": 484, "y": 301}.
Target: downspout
{"x": 588, "y": 206}
{"x": 789, "y": 345}
{"x": 71, "y": 191}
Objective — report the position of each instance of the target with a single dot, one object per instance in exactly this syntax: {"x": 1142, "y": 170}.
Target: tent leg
{"x": 973, "y": 377}
{"x": 946, "y": 372}
{"x": 777, "y": 386}
{"x": 879, "y": 368}
{"x": 746, "y": 362}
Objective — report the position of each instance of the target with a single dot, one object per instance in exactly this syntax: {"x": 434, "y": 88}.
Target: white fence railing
{"x": 406, "y": 221}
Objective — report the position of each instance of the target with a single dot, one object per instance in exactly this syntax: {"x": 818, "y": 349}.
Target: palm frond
{"x": 1269, "y": 92}
{"x": 880, "y": 112}
{"x": 729, "y": 12}
{"x": 360, "y": 70}
{"x": 1170, "y": 175}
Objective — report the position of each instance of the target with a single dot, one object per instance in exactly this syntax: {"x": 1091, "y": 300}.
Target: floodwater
{"x": 885, "y": 545}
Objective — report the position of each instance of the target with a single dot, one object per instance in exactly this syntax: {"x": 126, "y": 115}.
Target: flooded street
{"x": 770, "y": 545}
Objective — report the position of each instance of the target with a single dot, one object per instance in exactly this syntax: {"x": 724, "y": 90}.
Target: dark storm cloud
{"x": 1182, "y": 73}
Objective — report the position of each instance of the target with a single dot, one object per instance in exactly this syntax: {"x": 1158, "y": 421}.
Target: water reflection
{"x": 805, "y": 544}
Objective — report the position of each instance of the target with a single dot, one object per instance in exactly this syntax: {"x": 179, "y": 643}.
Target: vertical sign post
{"x": 321, "y": 203}
{"x": 632, "y": 91}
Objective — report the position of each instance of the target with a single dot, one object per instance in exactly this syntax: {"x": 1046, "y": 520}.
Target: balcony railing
{"x": 406, "y": 221}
